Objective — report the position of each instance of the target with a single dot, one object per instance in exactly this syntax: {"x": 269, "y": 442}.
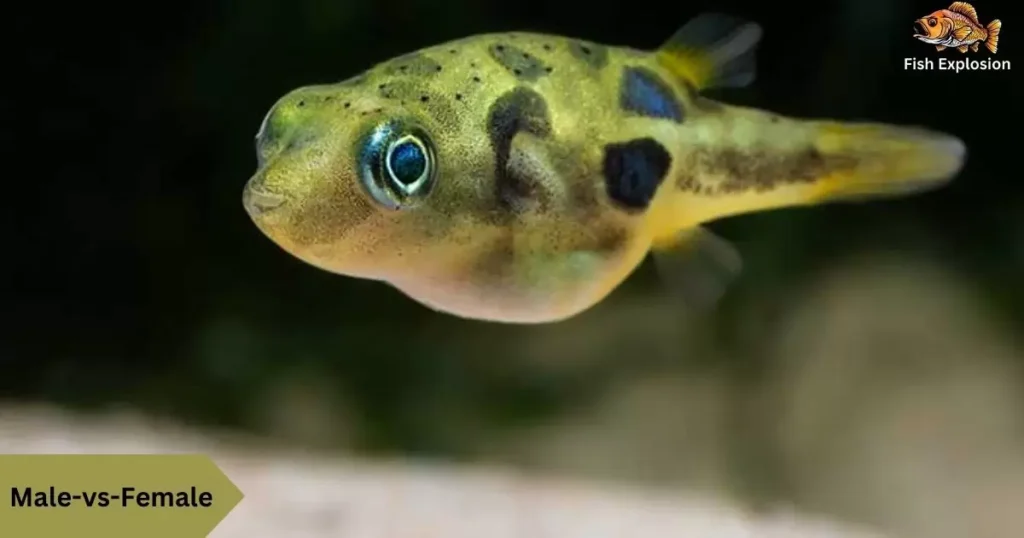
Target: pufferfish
{"x": 521, "y": 177}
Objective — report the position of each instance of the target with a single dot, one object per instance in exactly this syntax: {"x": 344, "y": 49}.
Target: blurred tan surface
{"x": 303, "y": 496}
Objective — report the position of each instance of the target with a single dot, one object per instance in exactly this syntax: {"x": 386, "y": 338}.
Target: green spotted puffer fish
{"x": 521, "y": 177}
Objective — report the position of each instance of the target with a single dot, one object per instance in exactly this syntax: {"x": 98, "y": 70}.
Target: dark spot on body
{"x": 403, "y": 90}
{"x": 524, "y": 66}
{"x": 547, "y": 47}
{"x": 518, "y": 110}
{"x": 592, "y": 54}
{"x": 644, "y": 93}
{"x": 452, "y": 51}
{"x": 458, "y": 97}
{"x": 634, "y": 170}
{"x": 348, "y": 105}
{"x": 424, "y": 98}
{"x": 415, "y": 64}
{"x": 476, "y": 79}
{"x": 611, "y": 239}
{"x": 301, "y": 103}
{"x": 730, "y": 171}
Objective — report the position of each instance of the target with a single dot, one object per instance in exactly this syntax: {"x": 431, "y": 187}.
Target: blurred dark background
{"x": 137, "y": 281}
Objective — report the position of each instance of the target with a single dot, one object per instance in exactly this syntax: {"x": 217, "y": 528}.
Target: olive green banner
{"x": 114, "y": 496}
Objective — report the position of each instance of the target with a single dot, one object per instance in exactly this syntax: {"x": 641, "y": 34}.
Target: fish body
{"x": 958, "y": 27}
{"x": 521, "y": 177}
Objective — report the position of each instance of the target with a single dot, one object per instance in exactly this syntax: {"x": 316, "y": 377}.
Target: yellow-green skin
{"x": 552, "y": 243}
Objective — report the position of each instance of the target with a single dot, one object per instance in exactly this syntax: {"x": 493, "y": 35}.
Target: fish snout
{"x": 259, "y": 201}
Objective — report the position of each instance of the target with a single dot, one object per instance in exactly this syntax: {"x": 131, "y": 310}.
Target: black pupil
{"x": 931, "y": 22}
{"x": 407, "y": 162}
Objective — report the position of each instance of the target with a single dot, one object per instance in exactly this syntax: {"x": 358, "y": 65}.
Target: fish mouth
{"x": 259, "y": 202}
{"x": 919, "y": 25}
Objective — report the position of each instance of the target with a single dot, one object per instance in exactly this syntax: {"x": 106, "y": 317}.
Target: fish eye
{"x": 397, "y": 165}
{"x": 932, "y": 21}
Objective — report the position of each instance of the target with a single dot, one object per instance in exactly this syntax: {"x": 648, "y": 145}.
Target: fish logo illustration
{"x": 958, "y": 27}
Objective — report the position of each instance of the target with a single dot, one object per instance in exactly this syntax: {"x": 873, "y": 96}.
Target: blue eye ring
{"x": 397, "y": 164}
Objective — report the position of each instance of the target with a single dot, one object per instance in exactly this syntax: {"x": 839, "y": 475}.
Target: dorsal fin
{"x": 713, "y": 50}
{"x": 964, "y": 9}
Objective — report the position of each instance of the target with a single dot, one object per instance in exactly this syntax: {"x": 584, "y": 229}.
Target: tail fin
{"x": 992, "y": 43}
{"x": 879, "y": 160}
{"x": 713, "y": 50}
{"x": 748, "y": 160}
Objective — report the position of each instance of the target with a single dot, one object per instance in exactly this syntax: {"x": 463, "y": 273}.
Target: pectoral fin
{"x": 961, "y": 34}
{"x": 697, "y": 266}
{"x": 529, "y": 179}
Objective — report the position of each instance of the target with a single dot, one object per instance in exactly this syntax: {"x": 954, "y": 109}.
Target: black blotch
{"x": 643, "y": 92}
{"x": 634, "y": 170}
{"x": 458, "y": 97}
{"x": 424, "y": 98}
{"x": 347, "y": 105}
{"x": 476, "y": 79}
{"x": 592, "y": 54}
{"x": 547, "y": 47}
{"x": 518, "y": 110}
{"x": 757, "y": 170}
{"x": 524, "y": 66}
{"x": 301, "y": 103}
{"x": 415, "y": 64}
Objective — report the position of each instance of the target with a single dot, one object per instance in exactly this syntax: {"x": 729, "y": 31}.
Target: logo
{"x": 959, "y": 28}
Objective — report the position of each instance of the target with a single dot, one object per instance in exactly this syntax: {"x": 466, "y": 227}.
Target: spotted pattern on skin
{"x": 592, "y": 54}
{"x": 525, "y": 66}
{"x": 643, "y": 92}
{"x": 518, "y": 110}
{"x": 414, "y": 64}
{"x": 634, "y": 170}
{"x": 755, "y": 171}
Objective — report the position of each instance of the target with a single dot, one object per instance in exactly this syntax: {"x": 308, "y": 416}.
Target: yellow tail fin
{"x": 743, "y": 160}
{"x": 992, "y": 43}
